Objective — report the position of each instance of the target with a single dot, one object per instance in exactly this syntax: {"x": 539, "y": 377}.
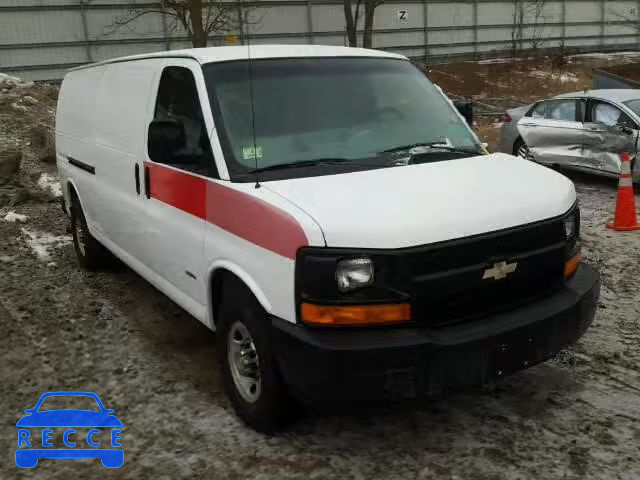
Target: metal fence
{"x": 40, "y": 39}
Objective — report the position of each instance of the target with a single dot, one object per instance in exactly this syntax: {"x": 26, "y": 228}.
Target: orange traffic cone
{"x": 625, "y": 218}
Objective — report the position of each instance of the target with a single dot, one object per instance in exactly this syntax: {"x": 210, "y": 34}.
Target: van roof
{"x": 225, "y": 54}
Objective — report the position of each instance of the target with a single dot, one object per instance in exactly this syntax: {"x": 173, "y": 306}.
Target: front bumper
{"x": 329, "y": 368}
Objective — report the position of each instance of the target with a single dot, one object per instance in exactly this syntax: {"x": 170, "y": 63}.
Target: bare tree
{"x": 199, "y": 18}
{"x": 351, "y": 16}
{"x": 352, "y": 10}
{"x": 526, "y": 28}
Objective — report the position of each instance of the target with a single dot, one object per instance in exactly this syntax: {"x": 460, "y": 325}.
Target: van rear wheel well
{"x": 73, "y": 195}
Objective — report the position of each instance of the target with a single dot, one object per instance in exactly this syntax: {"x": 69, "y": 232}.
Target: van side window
{"x": 178, "y": 129}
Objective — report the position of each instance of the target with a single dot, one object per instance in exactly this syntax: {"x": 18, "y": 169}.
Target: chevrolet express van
{"x": 330, "y": 214}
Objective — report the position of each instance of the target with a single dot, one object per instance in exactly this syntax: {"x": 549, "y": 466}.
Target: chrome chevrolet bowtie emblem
{"x": 500, "y": 270}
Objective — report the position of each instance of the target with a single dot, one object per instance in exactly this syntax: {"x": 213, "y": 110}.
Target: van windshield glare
{"x": 356, "y": 109}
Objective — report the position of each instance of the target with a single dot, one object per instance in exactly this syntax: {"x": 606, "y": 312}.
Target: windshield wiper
{"x": 439, "y": 145}
{"x": 309, "y": 163}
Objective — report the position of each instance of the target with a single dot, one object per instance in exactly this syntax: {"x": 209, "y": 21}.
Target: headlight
{"x": 354, "y": 273}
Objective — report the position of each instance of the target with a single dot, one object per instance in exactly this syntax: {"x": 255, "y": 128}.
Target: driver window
{"x": 178, "y": 101}
{"x": 607, "y": 114}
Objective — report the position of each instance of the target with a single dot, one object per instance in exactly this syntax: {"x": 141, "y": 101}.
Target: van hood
{"x": 419, "y": 204}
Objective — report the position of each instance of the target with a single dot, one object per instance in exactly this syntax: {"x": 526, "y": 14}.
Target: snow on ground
{"x": 491, "y": 61}
{"x": 9, "y": 80}
{"x": 14, "y": 217}
{"x": 43, "y": 243}
{"x": 563, "y": 77}
{"x": 608, "y": 56}
{"x": 50, "y": 183}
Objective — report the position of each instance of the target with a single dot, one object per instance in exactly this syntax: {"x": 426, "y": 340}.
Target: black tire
{"x": 272, "y": 408}
{"x": 518, "y": 147}
{"x": 91, "y": 254}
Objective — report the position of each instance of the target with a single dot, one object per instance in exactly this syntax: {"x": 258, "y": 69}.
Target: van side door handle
{"x": 147, "y": 182}
{"x": 137, "y": 175}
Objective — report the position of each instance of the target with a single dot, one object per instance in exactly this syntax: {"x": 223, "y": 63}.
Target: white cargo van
{"x": 330, "y": 214}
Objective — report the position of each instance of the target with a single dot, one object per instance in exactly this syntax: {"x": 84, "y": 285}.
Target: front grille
{"x": 446, "y": 282}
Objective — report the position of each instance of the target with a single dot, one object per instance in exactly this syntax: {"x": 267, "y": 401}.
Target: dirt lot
{"x": 577, "y": 417}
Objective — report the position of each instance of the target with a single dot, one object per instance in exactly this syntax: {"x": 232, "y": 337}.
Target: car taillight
{"x": 506, "y": 118}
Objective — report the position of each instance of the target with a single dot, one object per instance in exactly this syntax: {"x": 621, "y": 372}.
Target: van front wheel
{"x": 249, "y": 370}
{"x": 90, "y": 253}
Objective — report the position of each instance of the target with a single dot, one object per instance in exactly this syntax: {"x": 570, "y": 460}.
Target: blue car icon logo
{"x": 36, "y": 429}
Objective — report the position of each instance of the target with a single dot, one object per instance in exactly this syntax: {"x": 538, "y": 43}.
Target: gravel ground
{"x": 576, "y": 417}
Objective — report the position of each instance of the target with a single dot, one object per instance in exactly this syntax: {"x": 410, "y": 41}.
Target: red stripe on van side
{"x": 254, "y": 220}
{"x": 178, "y": 189}
{"x": 238, "y": 213}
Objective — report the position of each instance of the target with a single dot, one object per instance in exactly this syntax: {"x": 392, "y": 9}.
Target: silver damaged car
{"x": 583, "y": 130}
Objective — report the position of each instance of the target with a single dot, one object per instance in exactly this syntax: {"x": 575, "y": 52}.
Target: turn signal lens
{"x": 571, "y": 266}
{"x": 570, "y": 226}
{"x": 355, "y": 315}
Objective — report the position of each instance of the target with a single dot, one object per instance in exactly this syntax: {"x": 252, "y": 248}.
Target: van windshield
{"x": 320, "y": 116}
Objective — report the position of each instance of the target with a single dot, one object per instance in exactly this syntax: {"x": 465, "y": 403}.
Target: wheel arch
{"x": 516, "y": 144}
{"x": 71, "y": 191}
{"x": 216, "y": 275}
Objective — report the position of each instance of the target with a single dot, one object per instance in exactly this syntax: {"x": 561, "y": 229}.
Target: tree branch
{"x": 131, "y": 16}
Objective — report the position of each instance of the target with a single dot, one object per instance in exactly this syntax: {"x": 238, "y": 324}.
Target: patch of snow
{"x": 563, "y": 77}
{"x": 9, "y": 80}
{"x": 15, "y": 217}
{"x": 42, "y": 243}
{"x": 51, "y": 183}
{"x": 21, "y": 108}
{"x": 494, "y": 60}
{"x": 608, "y": 55}
{"x": 30, "y": 99}
{"x": 496, "y": 84}
{"x": 497, "y": 124}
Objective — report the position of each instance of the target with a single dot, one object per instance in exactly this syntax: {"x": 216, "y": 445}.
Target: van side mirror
{"x": 466, "y": 110}
{"x": 166, "y": 138}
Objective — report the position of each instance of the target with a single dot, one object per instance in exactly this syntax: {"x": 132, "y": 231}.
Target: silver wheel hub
{"x": 244, "y": 362}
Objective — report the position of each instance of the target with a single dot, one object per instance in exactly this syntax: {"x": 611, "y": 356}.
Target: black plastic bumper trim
{"x": 381, "y": 365}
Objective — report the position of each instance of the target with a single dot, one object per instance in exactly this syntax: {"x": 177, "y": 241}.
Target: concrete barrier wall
{"x": 40, "y": 39}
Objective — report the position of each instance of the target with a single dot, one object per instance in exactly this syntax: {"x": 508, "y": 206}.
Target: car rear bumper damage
{"x": 329, "y": 368}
